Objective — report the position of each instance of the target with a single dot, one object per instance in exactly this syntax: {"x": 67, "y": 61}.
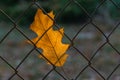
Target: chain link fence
{"x": 83, "y": 63}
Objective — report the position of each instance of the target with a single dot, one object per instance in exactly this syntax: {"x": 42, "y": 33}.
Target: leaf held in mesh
{"x": 48, "y": 39}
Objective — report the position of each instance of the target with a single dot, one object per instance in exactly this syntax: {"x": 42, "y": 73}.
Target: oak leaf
{"x": 48, "y": 39}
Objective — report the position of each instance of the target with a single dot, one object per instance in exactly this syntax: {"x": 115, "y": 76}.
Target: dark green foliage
{"x": 8, "y": 2}
{"x": 72, "y": 13}
{"x": 15, "y": 8}
{"x": 114, "y": 11}
{"x": 76, "y": 14}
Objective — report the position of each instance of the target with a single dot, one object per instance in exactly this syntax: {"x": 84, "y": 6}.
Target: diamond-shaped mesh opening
{"x": 68, "y": 29}
{"x": 71, "y": 14}
{"x": 88, "y": 40}
{"x": 75, "y": 62}
{"x": 14, "y": 47}
{"x": 105, "y": 60}
{"x": 15, "y": 9}
{"x": 35, "y": 67}
{"x": 107, "y": 17}
{"x": 88, "y": 74}
{"x": 27, "y": 16}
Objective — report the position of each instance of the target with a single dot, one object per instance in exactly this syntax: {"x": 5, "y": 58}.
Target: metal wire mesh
{"x": 72, "y": 40}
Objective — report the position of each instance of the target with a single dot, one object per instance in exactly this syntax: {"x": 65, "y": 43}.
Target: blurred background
{"x": 73, "y": 16}
{"x": 108, "y": 12}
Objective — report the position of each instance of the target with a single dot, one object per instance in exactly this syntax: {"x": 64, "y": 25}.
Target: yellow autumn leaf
{"x": 51, "y": 42}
